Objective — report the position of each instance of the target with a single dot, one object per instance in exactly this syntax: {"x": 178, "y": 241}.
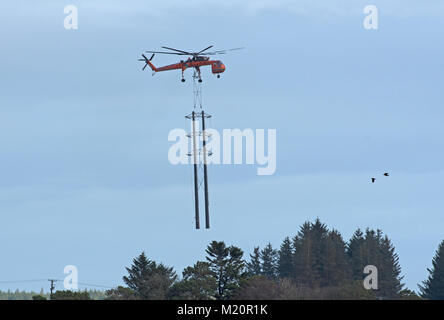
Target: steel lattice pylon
{"x": 198, "y": 149}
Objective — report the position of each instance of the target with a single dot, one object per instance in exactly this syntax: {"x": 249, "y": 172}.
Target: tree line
{"x": 91, "y": 294}
{"x": 314, "y": 264}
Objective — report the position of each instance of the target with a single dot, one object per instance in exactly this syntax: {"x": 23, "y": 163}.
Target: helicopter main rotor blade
{"x": 177, "y": 50}
{"x": 222, "y": 51}
{"x": 162, "y": 52}
{"x": 194, "y": 54}
{"x": 204, "y": 49}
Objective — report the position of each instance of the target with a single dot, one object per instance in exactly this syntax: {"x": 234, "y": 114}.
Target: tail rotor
{"x": 146, "y": 60}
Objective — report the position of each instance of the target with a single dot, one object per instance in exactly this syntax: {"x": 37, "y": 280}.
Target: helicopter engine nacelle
{"x": 217, "y": 67}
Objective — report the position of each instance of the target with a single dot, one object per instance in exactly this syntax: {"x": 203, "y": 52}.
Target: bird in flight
{"x": 373, "y": 180}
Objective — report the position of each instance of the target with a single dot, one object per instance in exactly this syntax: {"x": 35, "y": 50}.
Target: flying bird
{"x": 373, "y": 180}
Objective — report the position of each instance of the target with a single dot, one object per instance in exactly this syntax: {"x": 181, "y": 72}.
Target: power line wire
{"x": 55, "y": 280}
{"x": 19, "y": 281}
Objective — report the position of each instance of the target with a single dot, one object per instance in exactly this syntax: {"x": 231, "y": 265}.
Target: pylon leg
{"x": 204, "y": 142}
{"x": 196, "y": 183}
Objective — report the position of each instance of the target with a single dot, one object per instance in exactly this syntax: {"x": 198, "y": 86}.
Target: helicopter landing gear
{"x": 197, "y": 74}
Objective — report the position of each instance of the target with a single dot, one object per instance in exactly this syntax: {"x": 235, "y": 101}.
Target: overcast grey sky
{"x": 85, "y": 179}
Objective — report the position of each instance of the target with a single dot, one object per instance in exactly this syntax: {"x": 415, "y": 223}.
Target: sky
{"x": 84, "y": 173}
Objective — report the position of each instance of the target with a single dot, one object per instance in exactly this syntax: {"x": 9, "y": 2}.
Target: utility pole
{"x": 52, "y": 287}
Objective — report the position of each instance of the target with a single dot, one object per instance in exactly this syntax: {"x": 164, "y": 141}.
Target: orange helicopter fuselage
{"x": 216, "y": 65}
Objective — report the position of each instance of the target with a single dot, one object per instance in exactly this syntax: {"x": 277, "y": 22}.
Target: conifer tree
{"x": 356, "y": 254}
{"x": 198, "y": 283}
{"x": 375, "y": 249}
{"x": 390, "y": 279}
{"x": 303, "y": 256}
{"x": 254, "y": 266}
{"x": 309, "y": 247}
{"x": 269, "y": 258}
{"x": 149, "y": 280}
{"x": 285, "y": 259}
{"x": 227, "y": 266}
{"x": 320, "y": 258}
{"x": 335, "y": 265}
{"x": 138, "y": 272}
{"x": 433, "y": 287}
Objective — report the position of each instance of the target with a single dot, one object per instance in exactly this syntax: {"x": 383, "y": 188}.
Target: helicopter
{"x": 196, "y": 60}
